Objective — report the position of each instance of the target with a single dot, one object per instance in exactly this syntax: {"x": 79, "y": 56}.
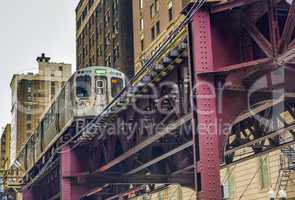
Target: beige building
{"x": 31, "y": 94}
{"x": 172, "y": 192}
{"x": 153, "y": 20}
{"x": 253, "y": 179}
{"x": 5, "y": 147}
{"x": 249, "y": 180}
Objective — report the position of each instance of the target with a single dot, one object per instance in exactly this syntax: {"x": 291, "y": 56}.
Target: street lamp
{"x": 282, "y": 194}
{"x": 271, "y": 195}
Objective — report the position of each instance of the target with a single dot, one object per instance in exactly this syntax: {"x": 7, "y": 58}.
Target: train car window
{"x": 83, "y": 86}
{"x": 117, "y": 86}
{"x": 100, "y": 87}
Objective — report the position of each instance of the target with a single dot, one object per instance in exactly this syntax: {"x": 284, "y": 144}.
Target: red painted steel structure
{"x": 207, "y": 138}
{"x": 72, "y": 162}
{"x": 228, "y": 53}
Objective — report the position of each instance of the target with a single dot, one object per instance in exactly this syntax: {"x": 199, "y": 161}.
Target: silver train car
{"x": 86, "y": 94}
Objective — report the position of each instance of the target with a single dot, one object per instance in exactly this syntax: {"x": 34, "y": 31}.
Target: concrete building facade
{"x": 31, "y": 95}
{"x": 5, "y": 147}
{"x": 153, "y": 20}
{"x": 104, "y": 34}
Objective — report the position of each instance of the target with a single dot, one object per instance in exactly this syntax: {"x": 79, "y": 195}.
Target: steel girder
{"x": 139, "y": 156}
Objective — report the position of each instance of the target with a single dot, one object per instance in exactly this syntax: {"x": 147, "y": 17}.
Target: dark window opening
{"x": 142, "y": 44}
{"x": 29, "y": 126}
{"x": 90, "y": 3}
{"x": 170, "y": 13}
{"x": 83, "y": 86}
{"x": 158, "y": 27}
{"x": 153, "y": 33}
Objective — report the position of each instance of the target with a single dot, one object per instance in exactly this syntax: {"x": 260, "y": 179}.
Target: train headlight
{"x": 84, "y": 103}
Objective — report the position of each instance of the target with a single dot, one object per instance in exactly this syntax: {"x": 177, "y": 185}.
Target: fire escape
{"x": 287, "y": 167}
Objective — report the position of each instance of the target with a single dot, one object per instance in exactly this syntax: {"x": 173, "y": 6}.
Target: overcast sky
{"x": 28, "y": 28}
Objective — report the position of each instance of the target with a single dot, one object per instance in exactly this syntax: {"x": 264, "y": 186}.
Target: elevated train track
{"x": 171, "y": 147}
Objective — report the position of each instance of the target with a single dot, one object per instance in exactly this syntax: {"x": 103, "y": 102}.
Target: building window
{"x": 99, "y": 50}
{"x": 29, "y": 126}
{"x": 116, "y": 53}
{"x": 115, "y": 4}
{"x": 264, "y": 175}
{"x": 29, "y": 89}
{"x": 90, "y": 3}
{"x": 53, "y": 88}
{"x": 29, "y": 98}
{"x": 108, "y": 61}
{"x": 107, "y": 40}
{"x": 179, "y": 192}
{"x": 157, "y": 3}
{"x": 141, "y": 44}
{"x": 230, "y": 183}
{"x": 29, "y": 117}
{"x": 116, "y": 27}
{"x": 140, "y": 4}
{"x": 152, "y": 10}
{"x": 84, "y": 13}
{"x": 107, "y": 17}
{"x": 158, "y": 27}
{"x": 29, "y": 109}
{"x": 153, "y": 33}
{"x": 97, "y": 10}
{"x": 170, "y": 10}
{"x": 141, "y": 24}
{"x": 163, "y": 195}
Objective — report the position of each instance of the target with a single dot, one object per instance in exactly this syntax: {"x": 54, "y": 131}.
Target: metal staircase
{"x": 289, "y": 152}
{"x": 287, "y": 166}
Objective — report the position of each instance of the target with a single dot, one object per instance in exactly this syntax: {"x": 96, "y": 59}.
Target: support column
{"x": 28, "y": 194}
{"x": 70, "y": 164}
{"x": 206, "y": 146}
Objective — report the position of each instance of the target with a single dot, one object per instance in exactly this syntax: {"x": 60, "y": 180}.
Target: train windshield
{"x": 117, "y": 86}
{"x": 83, "y": 86}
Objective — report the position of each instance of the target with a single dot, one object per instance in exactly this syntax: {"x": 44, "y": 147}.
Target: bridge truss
{"x": 220, "y": 86}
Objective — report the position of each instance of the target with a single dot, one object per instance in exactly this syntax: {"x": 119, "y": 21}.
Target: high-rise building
{"x": 5, "y": 147}
{"x": 153, "y": 20}
{"x": 104, "y": 34}
{"x": 31, "y": 95}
